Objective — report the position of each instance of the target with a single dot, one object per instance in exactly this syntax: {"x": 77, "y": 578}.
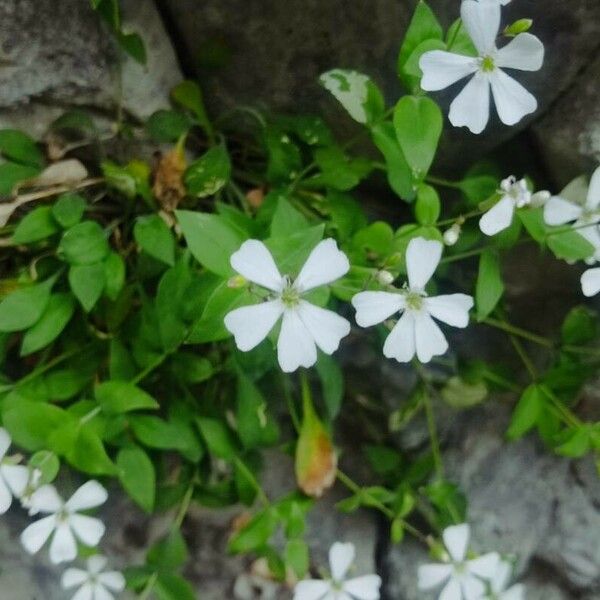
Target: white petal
{"x": 452, "y": 308}
{"x": 88, "y": 529}
{"x": 311, "y": 589}
{"x": 429, "y": 339}
{"x": 471, "y": 108}
{"x": 482, "y": 22}
{"x": 559, "y": 211}
{"x": 85, "y": 592}
{"x": 89, "y": 495}
{"x": 456, "y": 540}
{"x": 295, "y": 346}
{"x": 589, "y": 231}
{"x": 113, "y": 580}
{"x": 525, "y": 52}
{"x": 326, "y": 327}
{"x": 5, "y": 442}
{"x": 101, "y": 593}
{"x": 590, "y": 282}
{"x": 250, "y": 325}
{"x": 72, "y": 577}
{"x": 254, "y": 261}
{"x": 441, "y": 69}
{"x": 499, "y": 217}
{"x": 472, "y": 588}
{"x": 422, "y": 259}
{"x": 593, "y": 195}
{"x": 375, "y": 307}
{"x": 430, "y": 576}
{"x": 516, "y": 592}
{"x": 451, "y": 591}
{"x": 501, "y": 577}
{"x": 46, "y": 499}
{"x": 36, "y": 535}
{"x": 5, "y": 497}
{"x": 325, "y": 264}
{"x": 341, "y": 557}
{"x": 17, "y": 478}
{"x": 512, "y": 100}
{"x": 63, "y": 547}
{"x": 96, "y": 563}
{"x": 400, "y": 343}
{"x": 363, "y": 588}
{"x": 484, "y": 566}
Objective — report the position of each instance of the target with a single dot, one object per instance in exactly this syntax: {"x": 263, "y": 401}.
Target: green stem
{"x": 524, "y": 357}
{"x": 262, "y": 496}
{"x": 290, "y": 403}
{"x": 460, "y": 218}
{"x": 513, "y": 330}
{"x": 145, "y": 593}
{"x": 443, "y": 182}
{"x": 455, "y": 35}
{"x": 462, "y": 255}
{"x": 184, "y": 506}
{"x": 153, "y": 365}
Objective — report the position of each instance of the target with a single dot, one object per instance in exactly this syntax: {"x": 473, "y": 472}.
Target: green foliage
{"x": 490, "y": 287}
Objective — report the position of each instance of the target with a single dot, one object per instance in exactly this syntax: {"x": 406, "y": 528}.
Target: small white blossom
{"x": 13, "y": 477}
{"x": 415, "y": 332}
{"x": 304, "y": 326}
{"x": 341, "y": 557}
{"x": 94, "y": 583}
{"x": 64, "y": 521}
{"x": 583, "y": 212}
{"x": 471, "y": 108}
{"x": 499, "y": 581}
{"x": 590, "y": 282}
{"x": 461, "y": 577}
{"x": 514, "y": 194}
{"x": 452, "y": 234}
{"x": 385, "y": 277}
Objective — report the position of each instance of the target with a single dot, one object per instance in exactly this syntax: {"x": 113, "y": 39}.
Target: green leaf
{"x": 286, "y": 219}
{"x": 527, "y": 412}
{"x": 137, "y": 476}
{"x": 68, "y": 210}
{"x": 285, "y": 160}
{"x": 169, "y": 553}
{"x": 47, "y": 464}
{"x": 423, "y": 26}
{"x": 533, "y": 221}
{"x": 578, "y": 443}
{"x": 569, "y": 245}
{"x": 296, "y": 557}
{"x": 167, "y": 125}
{"x": 54, "y": 319}
{"x": 412, "y": 69}
{"x": 22, "y": 308}
{"x": 255, "y": 534}
{"x": 332, "y": 382}
{"x": 84, "y": 244}
{"x": 37, "y": 225}
{"x": 418, "y": 122}
{"x": 338, "y": 170}
{"x": 580, "y": 326}
{"x": 13, "y": 173}
{"x": 398, "y": 172}
{"x": 489, "y": 288}
{"x": 291, "y": 252}
{"x": 217, "y": 436}
{"x": 17, "y": 146}
{"x": 117, "y": 397}
{"x": 133, "y": 44}
{"x": 189, "y": 95}
{"x": 155, "y": 238}
{"x": 210, "y": 239}
{"x": 207, "y": 175}
{"x": 254, "y": 426}
{"x": 173, "y": 587}
{"x": 114, "y": 275}
{"x": 192, "y": 368}
{"x": 458, "y": 40}
{"x": 459, "y": 393}
{"x": 427, "y": 207}
{"x": 87, "y": 283}
{"x": 356, "y": 93}
{"x": 478, "y": 188}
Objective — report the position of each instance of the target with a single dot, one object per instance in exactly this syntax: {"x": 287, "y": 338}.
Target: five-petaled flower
{"x": 471, "y": 108}
{"x": 13, "y": 477}
{"x": 462, "y": 577}
{"x": 514, "y": 194}
{"x": 93, "y": 583}
{"x": 64, "y": 521}
{"x": 415, "y": 332}
{"x": 499, "y": 581}
{"x": 585, "y": 214}
{"x": 341, "y": 557}
{"x": 304, "y": 326}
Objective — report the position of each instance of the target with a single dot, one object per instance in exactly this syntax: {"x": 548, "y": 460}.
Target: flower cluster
{"x": 304, "y": 326}
{"x": 64, "y": 523}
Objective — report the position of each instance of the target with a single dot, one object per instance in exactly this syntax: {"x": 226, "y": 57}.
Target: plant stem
{"x": 184, "y": 506}
{"x": 524, "y": 357}
{"x": 145, "y": 593}
{"x": 462, "y": 255}
{"x": 153, "y": 365}
{"x": 513, "y": 330}
{"x": 443, "y": 182}
{"x": 262, "y": 496}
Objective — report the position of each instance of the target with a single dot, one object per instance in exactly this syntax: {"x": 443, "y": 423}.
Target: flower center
{"x": 487, "y": 64}
{"x": 290, "y": 296}
{"x": 414, "y": 300}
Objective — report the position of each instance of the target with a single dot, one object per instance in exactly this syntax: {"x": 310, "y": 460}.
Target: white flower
{"x": 304, "y": 326}
{"x": 471, "y": 107}
{"x": 499, "y": 589}
{"x": 13, "y": 477}
{"x": 568, "y": 207}
{"x": 590, "y": 282}
{"x": 515, "y": 194}
{"x": 94, "y": 583}
{"x": 350, "y": 89}
{"x": 462, "y": 577}
{"x": 415, "y": 332}
{"x": 338, "y": 587}
{"x": 64, "y": 521}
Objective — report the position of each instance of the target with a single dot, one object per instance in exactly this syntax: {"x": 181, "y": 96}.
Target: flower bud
{"x": 520, "y": 26}
{"x": 452, "y": 234}
{"x": 540, "y": 198}
{"x": 385, "y": 277}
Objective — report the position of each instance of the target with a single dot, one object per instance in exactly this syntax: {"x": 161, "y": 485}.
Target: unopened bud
{"x": 237, "y": 281}
{"x": 385, "y": 277}
{"x": 540, "y": 198}
{"x": 520, "y": 26}
{"x": 452, "y": 234}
